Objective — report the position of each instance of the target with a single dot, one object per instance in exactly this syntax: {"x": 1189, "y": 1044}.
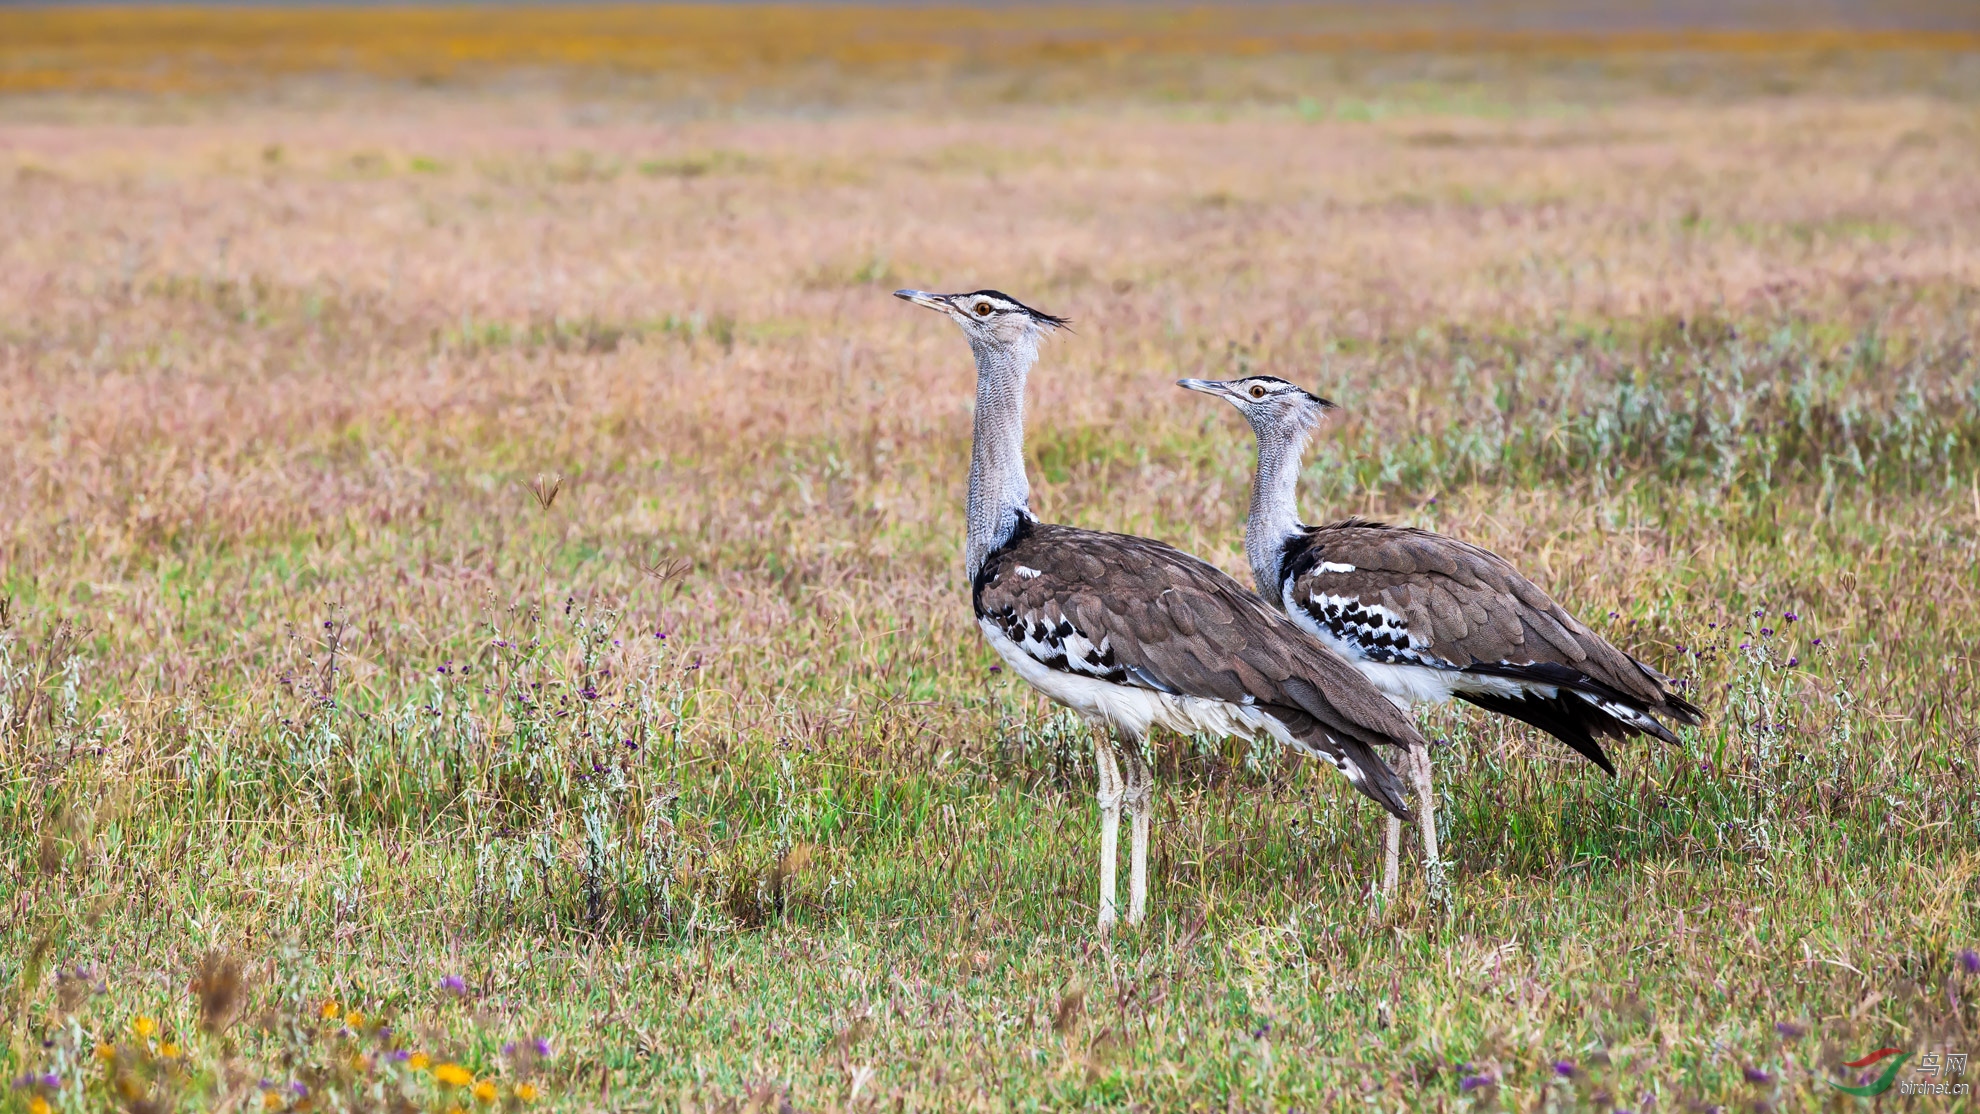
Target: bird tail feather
{"x": 1374, "y": 778}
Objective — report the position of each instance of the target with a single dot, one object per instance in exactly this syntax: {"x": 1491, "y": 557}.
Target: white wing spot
{"x": 1622, "y": 712}
{"x": 1352, "y": 771}
{"x": 1025, "y": 572}
{"x": 1335, "y": 566}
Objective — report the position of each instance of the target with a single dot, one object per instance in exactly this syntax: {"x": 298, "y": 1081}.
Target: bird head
{"x": 1272, "y": 405}
{"x": 989, "y": 318}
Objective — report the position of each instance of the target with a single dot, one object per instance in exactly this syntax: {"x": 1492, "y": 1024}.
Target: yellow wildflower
{"x": 484, "y": 1091}
{"x": 106, "y": 1053}
{"x": 37, "y": 1105}
{"x": 453, "y": 1075}
{"x": 357, "y": 1062}
{"x": 169, "y": 1050}
{"x": 418, "y": 1061}
{"x": 329, "y": 1010}
{"x": 143, "y": 1026}
{"x": 271, "y": 1101}
{"x": 455, "y": 1110}
{"x": 354, "y": 1019}
{"x": 526, "y": 1092}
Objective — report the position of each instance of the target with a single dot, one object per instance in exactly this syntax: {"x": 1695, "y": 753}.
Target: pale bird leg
{"x": 1426, "y": 822}
{"x": 1140, "y": 797}
{"x": 1391, "y": 854}
{"x": 1110, "y": 826}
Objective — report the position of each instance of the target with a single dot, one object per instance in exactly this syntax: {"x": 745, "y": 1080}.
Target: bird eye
{"x": 1257, "y": 391}
{"x": 983, "y": 309}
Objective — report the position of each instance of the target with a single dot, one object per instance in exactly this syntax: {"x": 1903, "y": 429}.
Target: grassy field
{"x": 483, "y": 616}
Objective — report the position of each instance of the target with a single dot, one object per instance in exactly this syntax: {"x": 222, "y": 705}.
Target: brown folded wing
{"x": 1463, "y": 608}
{"x": 1140, "y": 613}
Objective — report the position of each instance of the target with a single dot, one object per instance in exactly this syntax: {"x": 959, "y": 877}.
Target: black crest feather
{"x": 1037, "y": 315}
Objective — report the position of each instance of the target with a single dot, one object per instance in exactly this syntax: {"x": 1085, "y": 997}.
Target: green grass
{"x": 881, "y": 856}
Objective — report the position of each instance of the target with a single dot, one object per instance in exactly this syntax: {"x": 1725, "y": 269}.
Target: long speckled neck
{"x": 1274, "y": 517}
{"x": 999, "y": 494}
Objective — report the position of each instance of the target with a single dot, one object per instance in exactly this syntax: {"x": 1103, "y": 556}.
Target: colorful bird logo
{"x": 1883, "y": 1082}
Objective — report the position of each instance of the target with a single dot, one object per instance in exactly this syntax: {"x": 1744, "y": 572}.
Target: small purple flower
{"x": 23, "y": 1082}
{"x": 299, "y": 1087}
{"x": 52, "y": 1081}
{"x": 1564, "y": 1068}
{"x": 1791, "y": 617}
{"x": 454, "y": 983}
{"x": 1767, "y": 631}
{"x": 543, "y": 1046}
{"x": 996, "y": 669}
{"x": 1789, "y": 1030}
{"x": 399, "y": 1055}
{"x": 1755, "y": 1075}
{"x": 1792, "y": 662}
{"x": 1969, "y": 961}
{"x": 509, "y": 1049}
{"x": 1472, "y": 1082}
{"x": 1261, "y": 1032}
{"x": 1817, "y": 642}
{"x": 269, "y": 1084}
{"x": 1746, "y": 645}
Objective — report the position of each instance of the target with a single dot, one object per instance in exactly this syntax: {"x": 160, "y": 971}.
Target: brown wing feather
{"x": 1483, "y": 613}
{"x": 1173, "y": 623}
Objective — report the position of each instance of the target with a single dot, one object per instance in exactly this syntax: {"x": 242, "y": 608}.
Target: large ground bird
{"x": 1131, "y": 633}
{"x": 1429, "y": 618}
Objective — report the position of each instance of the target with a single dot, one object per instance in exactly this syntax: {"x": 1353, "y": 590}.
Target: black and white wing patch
{"x": 1062, "y": 646}
{"x": 1364, "y": 630}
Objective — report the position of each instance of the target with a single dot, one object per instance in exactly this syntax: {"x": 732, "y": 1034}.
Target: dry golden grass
{"x": 738, "y": 47}
{"x": 305, "y": 404}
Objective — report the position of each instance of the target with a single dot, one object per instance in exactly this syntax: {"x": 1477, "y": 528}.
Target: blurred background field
{"x": 687, "y": 56}
{"x": 481, "y": 620}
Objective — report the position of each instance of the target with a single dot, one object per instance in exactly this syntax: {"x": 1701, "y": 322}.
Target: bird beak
{"x": 924, "y": 299}
{"x": 1207, "y": 386}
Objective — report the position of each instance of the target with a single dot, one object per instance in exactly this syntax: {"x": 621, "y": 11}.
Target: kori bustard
{"x": 1131, "y": 633}
{"x": 1429, "y": 618}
